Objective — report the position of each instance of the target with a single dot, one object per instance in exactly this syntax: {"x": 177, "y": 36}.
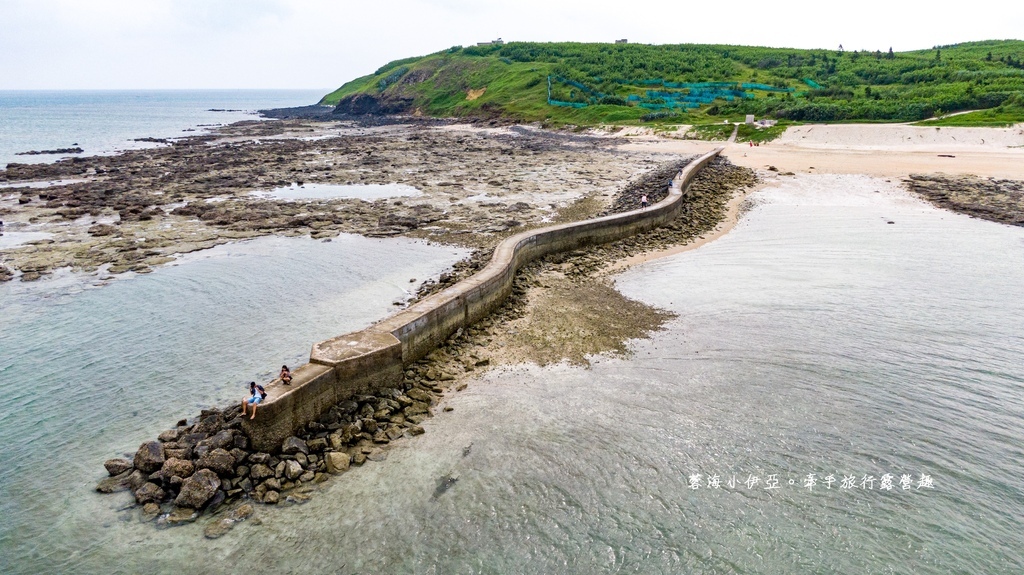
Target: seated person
{"x": 256, "y": 395}
{"x": 285, "y": 375}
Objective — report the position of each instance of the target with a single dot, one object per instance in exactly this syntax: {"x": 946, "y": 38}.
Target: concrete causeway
{"x": 375, "y": 358}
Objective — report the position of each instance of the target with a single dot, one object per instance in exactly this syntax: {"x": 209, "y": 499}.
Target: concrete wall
{"x": 374, "y": 358}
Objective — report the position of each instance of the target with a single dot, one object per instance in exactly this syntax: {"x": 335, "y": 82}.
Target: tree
{"x": 988, "y": 58}
{"x": 938, "y": 54}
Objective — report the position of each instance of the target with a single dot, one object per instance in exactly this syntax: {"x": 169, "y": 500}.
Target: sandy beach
{"x": 883, "y": 150}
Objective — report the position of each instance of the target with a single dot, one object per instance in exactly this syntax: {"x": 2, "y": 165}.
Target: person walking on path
{"x": 643, "y": 201}
{"x": 256, "y": 395}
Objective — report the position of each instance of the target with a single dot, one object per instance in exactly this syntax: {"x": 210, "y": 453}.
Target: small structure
{"x": 623, "y": 41}
{"x": 750, "y": 119}
{"x": 498, "y": 42}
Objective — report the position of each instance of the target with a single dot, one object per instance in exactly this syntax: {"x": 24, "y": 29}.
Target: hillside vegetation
{"x": 585, "y": 84}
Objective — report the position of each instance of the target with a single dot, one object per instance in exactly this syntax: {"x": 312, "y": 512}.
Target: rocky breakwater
{"x": 212, "y": 464}
{"x": 209, "y": 466}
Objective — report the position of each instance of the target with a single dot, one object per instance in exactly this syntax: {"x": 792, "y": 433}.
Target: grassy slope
{"x": 855, "y": 86}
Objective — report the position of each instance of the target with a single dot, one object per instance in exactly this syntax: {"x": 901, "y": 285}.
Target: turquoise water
{"x": 815, "y": 338}
{"x": 104, "y": 121}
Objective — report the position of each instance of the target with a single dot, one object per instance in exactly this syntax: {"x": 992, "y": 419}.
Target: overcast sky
{"x": 117, "y": 44}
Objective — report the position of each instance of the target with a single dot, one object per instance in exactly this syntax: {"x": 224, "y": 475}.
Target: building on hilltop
{"x": 623, "y": 41}
{"x": 498, "y": 42}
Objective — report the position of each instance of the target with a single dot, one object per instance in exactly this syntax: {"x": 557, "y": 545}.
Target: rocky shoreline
{"x": 108, "y": 215}
{"x": 990, "y": 199}
{"x": 206, "y": 466}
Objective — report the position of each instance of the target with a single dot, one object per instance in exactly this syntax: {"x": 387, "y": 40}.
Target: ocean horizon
{"x": 109, "y": 121}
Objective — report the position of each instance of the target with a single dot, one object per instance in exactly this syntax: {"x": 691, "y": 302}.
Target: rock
{"x": 216, "y": 501}
{"x": 198, "y": 489}
{"x": 183, "y": 453}
{"x": 242, "y": 471}
{"x": 150, "y": 511}
{"x": 177, "y": 467}
{"x": 218, "y": 460}
{"x": 114, "y": 484}
{"x": 272, "y": 484}
{"x": 335, "y": 441}
{"x": 149, "y": 493}
{"x": 303, "y": 461}
{"x": 136, "y": 479}
{"x": 292, "y": 469}
{"x": 117, "y": 466}
{"x": 377, "y": 455}
{"x": 307, "y": 476}
{"x": 394, "y": 432}
{"x": 272, "y": 498}
{"x": 242, "y": 512}
{"x": 169, "y": 436}
{"x": 358, "y": 459}
{"x": 337, "y": 461}
{"x": 317, "y": 445}
{"x": 419, "y": 395}
{"x": 259, "y": 472}
{"x": 293, "y": 445}
{"x": 218, "y": 528}
{"x": 149, "y": 457}
{"x": 259, "y": 457}
{"x": 182, "y": 515}
{"x": 223, "y": 439}
{"x": 416, "y": 430}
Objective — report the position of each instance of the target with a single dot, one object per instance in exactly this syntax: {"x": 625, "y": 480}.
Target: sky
{"x": 321, "y": 44}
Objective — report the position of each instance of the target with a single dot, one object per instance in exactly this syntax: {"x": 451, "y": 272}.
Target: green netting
{"x": 812, "y": 83}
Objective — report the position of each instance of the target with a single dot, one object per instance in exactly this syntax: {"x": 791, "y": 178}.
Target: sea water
{"x": 840, "y": 393}
{"x": 106, "y": 121}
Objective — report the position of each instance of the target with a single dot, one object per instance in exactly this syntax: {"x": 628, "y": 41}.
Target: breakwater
{"x": 375, "y": 358}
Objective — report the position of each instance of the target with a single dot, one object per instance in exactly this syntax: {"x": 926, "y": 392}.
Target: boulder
{"x": 293, "y": 445}
{"x": 337, "y": 461}
{"x": 271, "y": 498}
{"x": 272, "y": 484}
{"x": 317, "y": 445}
{"x": 149, "y": 457}
{"x": 218, "y": 460}
{"x": 218, "y": 528}
{"x": 307, "y": 476}
{"x": 149, "y": 493}
{"x": 292, "y": 469}
{"x": 182, "y": 515}
{"x": 117, "y": 466}
{"x": 177, "y": 467}
{"x": 259, "y": 472}
{"x": 223, "y": 439}
{"x": 419, "y": 395}
{"x": 114, "y": 484}
{"x": 198, "y": 489}
{"x": 416, "y": 430}
{"x": 259, "y": 457}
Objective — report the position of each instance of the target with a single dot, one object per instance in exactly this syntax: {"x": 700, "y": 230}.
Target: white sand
{"x": 885, "y": 150}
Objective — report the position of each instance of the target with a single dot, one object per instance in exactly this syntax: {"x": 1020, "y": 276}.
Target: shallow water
{"x": 88, "y": 373}
{"x": 106, "y": 121}
{"x": 368, "y": 192}
{"x": 814, "y": 338}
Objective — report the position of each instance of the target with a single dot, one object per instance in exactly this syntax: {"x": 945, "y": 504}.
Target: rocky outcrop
{"x": 365, "y": 104}
{"x": 990, "y": 199}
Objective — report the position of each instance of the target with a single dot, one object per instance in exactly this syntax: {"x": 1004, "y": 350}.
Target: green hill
{"x": 585, "y": 84}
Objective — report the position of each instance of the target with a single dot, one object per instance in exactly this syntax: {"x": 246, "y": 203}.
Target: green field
{"x": 589, "y": 84}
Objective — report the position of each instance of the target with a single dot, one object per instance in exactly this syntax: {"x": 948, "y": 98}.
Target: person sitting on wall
{"x": 285, "y": 376}
{"x": 256, "y": 395}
